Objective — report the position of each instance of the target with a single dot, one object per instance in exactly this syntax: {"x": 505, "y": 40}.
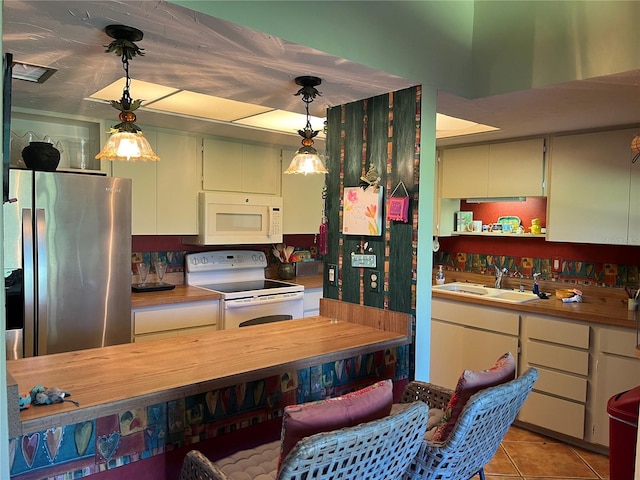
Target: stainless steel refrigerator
{"x": 67, "y": 240}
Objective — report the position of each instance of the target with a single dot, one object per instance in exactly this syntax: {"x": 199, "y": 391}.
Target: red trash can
{"x": 623, "y": 430}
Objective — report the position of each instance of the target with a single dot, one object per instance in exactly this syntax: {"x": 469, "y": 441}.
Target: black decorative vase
{"x": 41, "y": 156}
{"x": 286, "y": 271}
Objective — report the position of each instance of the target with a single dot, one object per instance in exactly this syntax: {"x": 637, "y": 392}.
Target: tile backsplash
{"x": 570, "y": 271}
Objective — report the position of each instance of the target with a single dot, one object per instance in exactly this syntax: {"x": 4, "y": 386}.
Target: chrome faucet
{"x": 521, "y": 276}
{"x": 499, "y": 274}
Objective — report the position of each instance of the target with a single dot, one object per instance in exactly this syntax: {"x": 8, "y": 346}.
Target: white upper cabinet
{"x": 594, "y": 189}
{"x": 164, "y": 194}
{"x": 236, "y": 167}
{"x": 510, "y": 169}
{"x": 301, "y": 199}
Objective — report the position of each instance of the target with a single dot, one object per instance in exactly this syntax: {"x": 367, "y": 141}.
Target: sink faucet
{"x": 519, "y": 275}
{"x": 499, "y": 274}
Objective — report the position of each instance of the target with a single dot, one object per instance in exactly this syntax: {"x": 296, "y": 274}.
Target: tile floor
{"x": 525, "y": 455}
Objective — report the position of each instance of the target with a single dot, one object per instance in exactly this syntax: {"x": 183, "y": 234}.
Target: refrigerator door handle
{"x": 41, "y": 288}
{"x": 29, "y": 285}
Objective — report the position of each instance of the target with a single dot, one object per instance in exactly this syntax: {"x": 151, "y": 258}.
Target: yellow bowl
{"x": 564, "y": 293}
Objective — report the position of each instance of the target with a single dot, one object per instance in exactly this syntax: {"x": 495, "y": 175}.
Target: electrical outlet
{"x": 332, "y": 275}
{"x": 374, "y": 281}
{"x": 556, "y": 264}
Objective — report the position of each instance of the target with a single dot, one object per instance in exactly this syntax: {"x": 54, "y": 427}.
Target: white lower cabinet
{"x": 311, "y": 301}
{"x": 166, "y": 321}
{"x": 617, "y": 370}
{"x": 470, "y": 337}
{"x": 559, "y": 350}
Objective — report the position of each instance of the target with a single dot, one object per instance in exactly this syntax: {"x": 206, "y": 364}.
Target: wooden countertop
{"x": 592, "y": 309}
{"x": 180, "y": 294}
{"x": 112, "y": 379}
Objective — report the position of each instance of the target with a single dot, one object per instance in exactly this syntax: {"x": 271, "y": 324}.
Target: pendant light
{"x": 635, "y": 147}
{"x": 307, "y": 160}
{"x": 126, "y": 141}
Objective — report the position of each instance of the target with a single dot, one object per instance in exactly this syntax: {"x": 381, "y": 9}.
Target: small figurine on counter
{"x": 46, "y": 396}
{"x": 24, "y": 401}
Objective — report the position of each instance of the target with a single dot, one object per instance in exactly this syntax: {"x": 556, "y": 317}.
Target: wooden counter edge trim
{"x": 181, "y": 294}
{"x": 381, "y": 319}
{"x": 69, "y": 417}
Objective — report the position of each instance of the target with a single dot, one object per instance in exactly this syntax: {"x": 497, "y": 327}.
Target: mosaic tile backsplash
{"x": 570, "y": 271}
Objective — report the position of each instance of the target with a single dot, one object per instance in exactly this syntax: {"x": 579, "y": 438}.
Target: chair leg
{"x": 479, "y": 473}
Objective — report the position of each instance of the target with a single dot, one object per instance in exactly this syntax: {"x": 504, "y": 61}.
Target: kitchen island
{"x": 139, "y": 400}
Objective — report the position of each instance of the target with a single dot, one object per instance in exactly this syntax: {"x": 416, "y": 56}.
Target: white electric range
{"x": 238, "y": 275}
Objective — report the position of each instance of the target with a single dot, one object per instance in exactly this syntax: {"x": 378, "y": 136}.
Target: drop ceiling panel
{"x": 206, "y": 106}
{"x": 283, "y": 121}
{"x": 138, "y": 89}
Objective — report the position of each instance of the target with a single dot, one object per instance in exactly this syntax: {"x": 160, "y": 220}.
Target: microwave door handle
{"x": 270, "y": 221}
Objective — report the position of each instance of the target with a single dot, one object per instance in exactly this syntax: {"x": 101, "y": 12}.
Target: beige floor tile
{"x": 598, "y": 462}
{"x": 547, "y": 460}
{"x": 501, "y": 464}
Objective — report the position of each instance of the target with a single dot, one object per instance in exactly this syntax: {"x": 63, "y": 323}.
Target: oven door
{"x": 241, "y": 309}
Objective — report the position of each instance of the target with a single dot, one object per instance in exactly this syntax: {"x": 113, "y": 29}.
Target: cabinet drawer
{"x": 553, "y": 413}
{"x": 174, "y": 318}
{"x": 562, "y": 385}
{"x": 559, "y": 358}
{"x": 618, "y": 341}
{"x": 557, "y": 331}
{"x": 486, "y": 318}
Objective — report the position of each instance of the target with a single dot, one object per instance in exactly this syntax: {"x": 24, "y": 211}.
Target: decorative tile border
{"x": 572, "y": 271}
{"x": 82, "y": 449}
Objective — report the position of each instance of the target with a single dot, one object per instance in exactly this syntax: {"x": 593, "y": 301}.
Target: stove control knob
{"x": 204, "y": 260}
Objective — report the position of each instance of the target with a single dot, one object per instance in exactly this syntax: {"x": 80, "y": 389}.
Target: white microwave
{"x": 237, "y": 218}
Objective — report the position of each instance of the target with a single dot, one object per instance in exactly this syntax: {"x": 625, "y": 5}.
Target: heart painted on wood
{"x": 82, "y": 436}
{"x": 53, "y": 439}
{"x": 30, "y": 447}
{"x": 370, "y": 364}
{"x": 358, "y": 364}
{"x": 225, "y": 396}
{"x": 258, "y": 390}
{"x": 212, "y": 399}
{"x": 339, "y": 366}
{"x": 107, "y": 445}
{"x": 12, "y": 452}
{"x": 241, "y": 391}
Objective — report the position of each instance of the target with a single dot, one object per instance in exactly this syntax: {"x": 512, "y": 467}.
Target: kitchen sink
{"x": 462, "y": 288}
{"x": 457, "y": 289}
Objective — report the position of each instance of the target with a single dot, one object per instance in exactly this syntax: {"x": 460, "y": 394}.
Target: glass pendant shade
{"x": 126, "y": 146}
{"x": 306, "y": 160}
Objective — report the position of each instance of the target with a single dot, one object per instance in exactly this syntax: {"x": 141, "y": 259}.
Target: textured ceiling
{"x": 191, "y": 51}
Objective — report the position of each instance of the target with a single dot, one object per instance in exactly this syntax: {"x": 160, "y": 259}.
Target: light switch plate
{"x": 332, "y": 275}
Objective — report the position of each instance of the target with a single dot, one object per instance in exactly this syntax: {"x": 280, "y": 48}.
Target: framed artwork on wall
{"x": 362, "y": 211}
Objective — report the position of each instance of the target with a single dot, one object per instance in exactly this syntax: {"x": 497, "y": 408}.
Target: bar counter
{"x": 123, "y": 377}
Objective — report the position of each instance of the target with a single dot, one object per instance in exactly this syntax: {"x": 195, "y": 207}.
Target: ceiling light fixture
{"x": 126, "y": 141}
{"x": 307, "y": 159}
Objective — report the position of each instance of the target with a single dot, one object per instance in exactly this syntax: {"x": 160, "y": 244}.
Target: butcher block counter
{"x": 123, "y": 377}
{"x": 180, "y": 294}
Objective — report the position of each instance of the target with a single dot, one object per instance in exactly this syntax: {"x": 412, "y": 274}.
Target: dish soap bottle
{"x": 440, "y": 276}
{"x": 536, "y": 288}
